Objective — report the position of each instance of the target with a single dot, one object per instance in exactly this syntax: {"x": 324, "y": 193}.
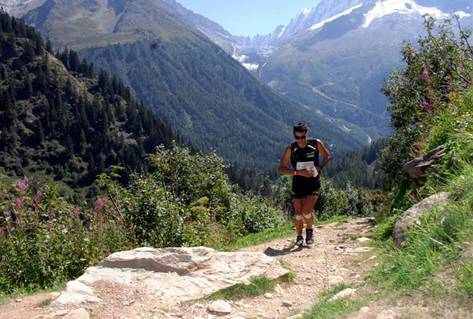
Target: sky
{"x": 249, "y": 17}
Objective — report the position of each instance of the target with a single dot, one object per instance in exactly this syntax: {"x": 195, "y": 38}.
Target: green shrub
{"x": 44, "y": 240}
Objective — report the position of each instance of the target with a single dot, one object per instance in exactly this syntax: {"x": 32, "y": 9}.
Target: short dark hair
{"x": 301, "y": 128}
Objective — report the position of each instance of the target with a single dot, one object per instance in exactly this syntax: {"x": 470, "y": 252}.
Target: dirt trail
{"x": 341, "y": 254}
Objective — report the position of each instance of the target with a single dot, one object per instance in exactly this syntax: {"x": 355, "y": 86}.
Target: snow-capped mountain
{"x": 20, "y": 7}
{"x": 335, "y": 57}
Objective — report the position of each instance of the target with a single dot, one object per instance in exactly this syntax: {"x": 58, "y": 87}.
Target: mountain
{"x": 58, "y": 119}
{"x": 335, "y": 57}
{"x": 175, "y": 69}
{"x": 20, "y": 7}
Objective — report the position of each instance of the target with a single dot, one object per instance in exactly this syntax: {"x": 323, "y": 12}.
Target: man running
{"x": 304, "y": 157}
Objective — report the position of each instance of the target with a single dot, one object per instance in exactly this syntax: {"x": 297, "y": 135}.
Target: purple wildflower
{"x": 425, "y": 74}
{"x": 77, "y": 212}
{"x": 18, "y": 202}
{"x": 6, "y": 213}
{"x": 22, "y": 186}
{"x": 426, "y": 106}
{"x": 2, "y": 232}
{"x": 99, "y": 204}
{"x": 38, "y": 196}
{"x": 51, "y": 216}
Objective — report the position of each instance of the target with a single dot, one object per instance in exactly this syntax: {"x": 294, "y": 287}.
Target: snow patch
{"x": 251, "y": 66}
{"x": 305, "y": 11}
{"x": 346, "y": 12}
{"x": 388, "y": 7}
{"x": 282, "y": 32}
{"x": 240, "y": 58}
{"x": 462, "y": 14}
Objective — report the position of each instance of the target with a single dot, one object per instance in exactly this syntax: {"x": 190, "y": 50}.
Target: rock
{"x": 18, "y": 300}
{"x": 364, "y": 309}
{"x": 268, "y": 295}
{"x": 335, "y": 280}
{"x": 220, "y": 307}
{"x": 410, "y": 218}
{"x": 419, "y": 167}
{"x": 61, "y": 313}
{"x": 386, "y": 314}
{"x": 343, "y": 294}
{"x": 278, "y": 289}
{"x": 287, "y": 303}
{"x": 80, "y": 313}
{"x": 173, "y": 274}
{"x": 363, "y": 240}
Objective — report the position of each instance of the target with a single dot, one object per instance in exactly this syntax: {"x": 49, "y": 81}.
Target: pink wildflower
{"x": 38, "y": 196}
{"x": 22, "y": 186}
{"x": 6, "y": 213}
{"x": 18, "y": 202}
{"x": 426, "y": 106}
{"x": 2, "y": 232}
{"x": 99, "y": 204}
{"x": 51, "y": 216}
{"x": 425, "y": 74}
{"x": 77, "y": 212}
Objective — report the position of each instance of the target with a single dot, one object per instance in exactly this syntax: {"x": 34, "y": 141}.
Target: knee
{"x": 307, "y": 216}
{"x": 299, "y": 217}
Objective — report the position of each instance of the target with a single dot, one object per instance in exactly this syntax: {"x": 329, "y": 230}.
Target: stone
{"x": 171, "y": 275}
{"x": 335, "y": 280}
{"x": 363, "y": 240}
{"x": 268, "y": 295}
{"x": 287, "y": 303}
{"x": 364, "y": 309}
{"x": 279, "y": 289}
{"x": 220, "y": 307}
{"x": 386, "y": 314}
{"x": 418, "y": 169}
{"x": 343, "y": 294}
{"x": 80, "y": 313}
{"x": 411, "y": 217}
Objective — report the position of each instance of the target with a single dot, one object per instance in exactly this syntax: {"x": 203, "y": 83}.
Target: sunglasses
{"x": 300, "y": 137}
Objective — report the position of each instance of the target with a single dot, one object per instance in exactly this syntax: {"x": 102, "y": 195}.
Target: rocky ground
{"x": 341, "y": 254}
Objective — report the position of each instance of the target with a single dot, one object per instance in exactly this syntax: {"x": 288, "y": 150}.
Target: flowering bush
{"x": 45, "y": 240}
{"x": 441, "y": 64}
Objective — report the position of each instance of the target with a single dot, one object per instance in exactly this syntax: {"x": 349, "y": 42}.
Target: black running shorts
{"x": 305, "y": 186}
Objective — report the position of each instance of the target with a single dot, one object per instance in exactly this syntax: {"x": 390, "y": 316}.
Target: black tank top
{"x": 310, "y": 153}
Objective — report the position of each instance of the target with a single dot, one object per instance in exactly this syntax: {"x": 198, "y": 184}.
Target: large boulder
{"x": 410, "y": 218}
{"x": 163, "y": 278}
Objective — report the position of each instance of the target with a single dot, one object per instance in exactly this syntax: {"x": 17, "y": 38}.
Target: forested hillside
{"x": 58, "y": 119}
{"x": 178, "y": 72}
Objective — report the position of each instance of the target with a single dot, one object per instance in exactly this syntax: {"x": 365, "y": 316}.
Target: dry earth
{"x": 341, "y": 254}
{"x": 333, "y": 259}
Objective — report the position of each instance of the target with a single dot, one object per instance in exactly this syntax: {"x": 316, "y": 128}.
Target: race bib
{"x": 307, "y": 166}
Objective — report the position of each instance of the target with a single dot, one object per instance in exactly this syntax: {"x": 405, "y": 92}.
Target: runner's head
{"x": 300, "y": 132}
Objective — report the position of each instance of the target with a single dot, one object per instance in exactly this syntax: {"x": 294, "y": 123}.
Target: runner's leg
{"x": 299, "y": 221}
{"x": 308, "y": 204}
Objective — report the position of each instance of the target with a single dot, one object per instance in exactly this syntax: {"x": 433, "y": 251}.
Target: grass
{"x": 325, "y": 308}
{"x": 23, "y": 292}
{"x": 257, "y": 238}
{"x": 46, "y": 302}
{"x": 270, "y": 234}
{"x": 256, "y": 287}
{"x": 465, "y": 280}
{"x": 432, "y": 244}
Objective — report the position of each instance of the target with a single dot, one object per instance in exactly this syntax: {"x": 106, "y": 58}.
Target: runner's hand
{"x": 306, "y": 173}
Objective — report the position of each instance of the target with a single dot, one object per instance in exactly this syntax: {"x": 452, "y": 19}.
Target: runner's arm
{"x": 325, "y": 153}
{"x": 283, "y": 170}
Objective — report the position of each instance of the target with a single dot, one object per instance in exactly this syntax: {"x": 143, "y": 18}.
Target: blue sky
{"x": 245, "y": 17}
